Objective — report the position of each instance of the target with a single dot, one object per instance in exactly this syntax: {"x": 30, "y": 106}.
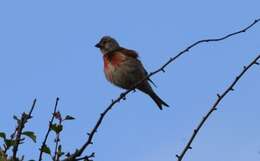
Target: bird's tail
{"x": 160, "y": 103}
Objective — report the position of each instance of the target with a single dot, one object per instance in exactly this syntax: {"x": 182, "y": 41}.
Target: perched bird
{"x": 123, "y": 68}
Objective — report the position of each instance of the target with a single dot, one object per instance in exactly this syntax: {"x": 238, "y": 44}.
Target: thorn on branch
{"x": 218, "y": 95}
{"x": 68, "y": 154}
{"x": 56, "y": 140}
{"x": 163, "y": 70}
{"x": 232, "y": 89}
{"x": 123, "y": 96}
{"x": 93, "y": 154}
{"x": 187, "y": 49}
{"x": 257, "y": 63}
{"x": 177, "y": 156}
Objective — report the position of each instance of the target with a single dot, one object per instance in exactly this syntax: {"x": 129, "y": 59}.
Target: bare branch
{"x": 24, "y": 118}
{"x": 49, "y": 129}
{"x": 214, "y": 107}
{"x": 87, "y": 157}
{"x": 78, "y": 152}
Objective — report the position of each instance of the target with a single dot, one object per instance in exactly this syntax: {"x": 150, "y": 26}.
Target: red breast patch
{"x": 113, "y": 59}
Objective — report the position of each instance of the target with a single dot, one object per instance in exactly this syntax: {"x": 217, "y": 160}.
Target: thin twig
{"x": 214, "y": 107}
{"x": 57, "y": 140}
{"x": 86, "y": 158}
{"x": 12, "y": 137}
{"x": 49, "y": 129}
{"x": 24, "y": 118}
{"x": 78, "y": 152}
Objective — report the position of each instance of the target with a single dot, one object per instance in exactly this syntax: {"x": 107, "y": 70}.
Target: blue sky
{"x": 47, "y": 50}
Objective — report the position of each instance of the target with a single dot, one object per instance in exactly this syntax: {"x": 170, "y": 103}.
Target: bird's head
{"x": 107, "y": 44}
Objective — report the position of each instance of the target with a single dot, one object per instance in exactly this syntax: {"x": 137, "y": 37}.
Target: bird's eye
{"x": 104, "y": 41}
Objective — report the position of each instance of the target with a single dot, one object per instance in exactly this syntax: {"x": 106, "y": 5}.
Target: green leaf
{"x": 59, "y": 152}
{"x": 2, "y": 135}
{"x": 30, "y": 134}
{"x": 9, "y": 142}
{"x": 56, "y": 128}
{"x": 46, "y": 149}
{"x": 68, "y": 117}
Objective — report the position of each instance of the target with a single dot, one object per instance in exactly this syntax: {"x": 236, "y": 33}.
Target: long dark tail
{"x": 160, "y": 103}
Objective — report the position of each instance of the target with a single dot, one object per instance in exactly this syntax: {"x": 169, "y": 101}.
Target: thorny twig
{"x": 214, "y": 107}
{"x": 49, "y": 129}
{"x": 24, "y": 118}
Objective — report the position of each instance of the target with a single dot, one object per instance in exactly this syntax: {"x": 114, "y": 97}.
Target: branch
{"x": 3, "y": 156}
{"x": 24, "y": 118}
{"x": 87, "y": 157}
{"x": 214, "y": 107}
{"x": 78, "y": 152}
{"x": 49, "y": 129}
{"x": 57, "y": 155}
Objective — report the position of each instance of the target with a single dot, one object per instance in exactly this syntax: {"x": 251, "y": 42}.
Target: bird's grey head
{"x": 107, "y": 44}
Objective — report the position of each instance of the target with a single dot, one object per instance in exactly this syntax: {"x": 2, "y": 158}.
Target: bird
{"x": 123, "y": 68}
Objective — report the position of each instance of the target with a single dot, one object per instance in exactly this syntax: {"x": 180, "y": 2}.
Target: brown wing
{"x": 134, "y": 54}
{"x": 130, "y": 53}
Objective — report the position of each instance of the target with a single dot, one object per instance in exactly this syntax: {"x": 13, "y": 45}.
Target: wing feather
{"x": 128, "y": 52}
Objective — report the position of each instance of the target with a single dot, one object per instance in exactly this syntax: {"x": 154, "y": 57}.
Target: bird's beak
{"x": 98, "y": 45}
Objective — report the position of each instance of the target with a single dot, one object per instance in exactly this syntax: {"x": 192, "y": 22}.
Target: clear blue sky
{"x": 47, "y": 50}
